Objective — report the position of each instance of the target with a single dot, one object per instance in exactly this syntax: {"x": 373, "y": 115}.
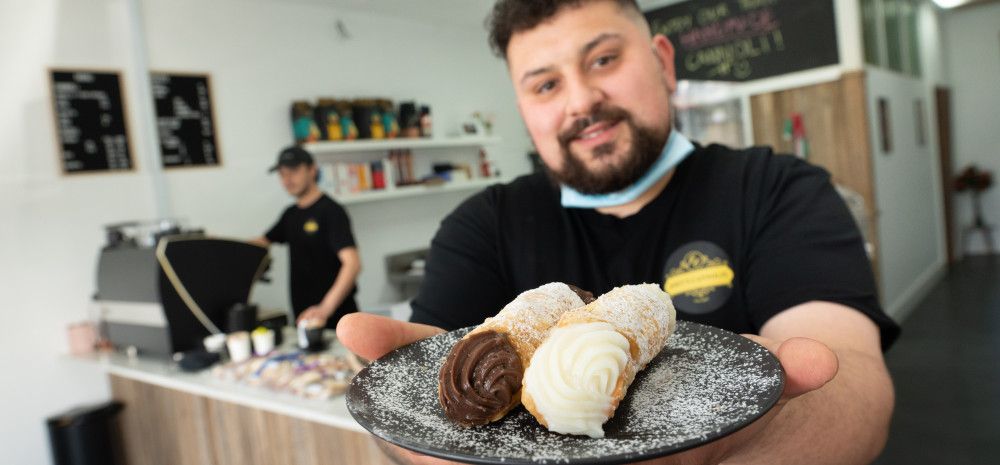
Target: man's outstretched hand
{"x": 808, "y": 365}
{"x": 372, "y": 336}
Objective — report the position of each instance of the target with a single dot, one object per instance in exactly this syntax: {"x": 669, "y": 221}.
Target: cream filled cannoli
{"x": 480, "y": 380}
{"x": 580, "y": 373}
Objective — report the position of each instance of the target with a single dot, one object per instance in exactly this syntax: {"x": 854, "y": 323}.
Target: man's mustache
{"x": 597, "y": 115}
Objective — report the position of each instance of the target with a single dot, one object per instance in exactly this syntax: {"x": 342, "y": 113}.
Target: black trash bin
{"x": 86, "y": 435}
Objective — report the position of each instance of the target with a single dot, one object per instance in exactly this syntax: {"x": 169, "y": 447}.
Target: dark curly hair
{"x": 512, "y": 16}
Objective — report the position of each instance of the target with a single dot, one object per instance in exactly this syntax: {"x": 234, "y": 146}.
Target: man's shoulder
{"x": 721, "y": 156}
{"x": 328, "y": 204}
{"x": 530, "y": 185}
{"x": 527, "y": 191}
{"x": 759, "y": 163}
{"x": 326, "y": 201}
{"x": 288, "y": 212}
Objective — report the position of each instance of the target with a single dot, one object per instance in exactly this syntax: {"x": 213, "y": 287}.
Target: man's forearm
{"x": 340, "y": 288}
{"x": 845, "y": 422}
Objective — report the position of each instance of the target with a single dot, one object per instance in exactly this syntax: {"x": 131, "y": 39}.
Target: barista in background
{"x": 324, "y": 260}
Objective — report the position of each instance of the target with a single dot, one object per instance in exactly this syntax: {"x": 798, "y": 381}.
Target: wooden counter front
{"x": 164, "y": 426}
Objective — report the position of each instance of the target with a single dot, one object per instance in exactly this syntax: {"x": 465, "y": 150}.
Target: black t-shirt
{"x": 314, "y": 236}
{"x": 736, "y": 237}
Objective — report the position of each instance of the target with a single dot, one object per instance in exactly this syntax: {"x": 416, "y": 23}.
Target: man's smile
{"x": 597, "y": 134}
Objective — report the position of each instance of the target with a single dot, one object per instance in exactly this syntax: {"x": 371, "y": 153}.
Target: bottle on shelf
{"x": 426, "y": 124}
{"x": 348, "y": 129}
{"x": 409, "y": 120}
{"x": 389, "y": 120}
{"x": 328, "y": 119}
{"x": 484, "y": 164}
{"x": 303, "y": 125}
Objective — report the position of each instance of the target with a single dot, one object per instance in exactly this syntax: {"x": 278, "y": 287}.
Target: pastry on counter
{"x": 309, "y": 375}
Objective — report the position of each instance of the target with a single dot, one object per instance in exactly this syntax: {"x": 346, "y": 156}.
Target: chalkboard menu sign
{"x": 90, "y": 120}
{"x": 184, "y": 120}
{"x": 742, "y": 40}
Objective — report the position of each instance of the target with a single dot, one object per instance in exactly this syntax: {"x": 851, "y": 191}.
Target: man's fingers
{"x": 769, "y": 344}
{"x": 808, "y": 364}
{"x": 400, "y": 455}
{"x": 372, "y": 336}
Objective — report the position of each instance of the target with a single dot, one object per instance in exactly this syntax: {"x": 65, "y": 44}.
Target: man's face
{"x": 297, "y": 179}
{"x": 593, "y": 88}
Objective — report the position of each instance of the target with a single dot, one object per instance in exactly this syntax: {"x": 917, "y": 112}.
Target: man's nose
{"x": 582, "y": 98}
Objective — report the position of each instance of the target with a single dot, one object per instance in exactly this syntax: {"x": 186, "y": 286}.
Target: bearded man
{"x": 744, "y": 240}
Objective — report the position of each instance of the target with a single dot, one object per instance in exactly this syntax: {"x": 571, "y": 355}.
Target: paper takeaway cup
{"x": 239, "y": 346}
{"x": 263, "y": 341}
{"x": 215, "y": 343}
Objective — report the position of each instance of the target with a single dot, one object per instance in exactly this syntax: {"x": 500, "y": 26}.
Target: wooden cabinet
{"x": 162, "y": 426}
{"x": 836, "y": 122}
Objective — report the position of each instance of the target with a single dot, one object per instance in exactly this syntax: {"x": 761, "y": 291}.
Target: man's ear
{"x": 664, "y": 52}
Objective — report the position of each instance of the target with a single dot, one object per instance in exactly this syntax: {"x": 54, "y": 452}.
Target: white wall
{"x": 50, "y": 229}
{"x": 271, "y": 53}
{"x": 908, "y": 195}
{"x": 261, "y": 54}
{"x": 972, "y": 51}
{"x": 911, "y": 253}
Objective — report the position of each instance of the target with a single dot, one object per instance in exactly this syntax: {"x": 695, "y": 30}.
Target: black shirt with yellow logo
{"x": 735, "y": 238}
{"x": 314, "y": 236}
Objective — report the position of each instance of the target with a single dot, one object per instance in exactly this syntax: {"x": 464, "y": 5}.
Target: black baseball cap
{"x": 291, "y": 157}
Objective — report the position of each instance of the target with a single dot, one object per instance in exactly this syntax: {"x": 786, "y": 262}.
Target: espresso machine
{"x": 162, "y": 288}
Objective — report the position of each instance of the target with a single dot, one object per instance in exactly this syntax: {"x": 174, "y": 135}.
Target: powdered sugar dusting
{"x": 641, "y": 312}
{"x": 704, "y": 384}
{"x": 531, "y": 314}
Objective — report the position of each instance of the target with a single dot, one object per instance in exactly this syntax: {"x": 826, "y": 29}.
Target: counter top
{"x": 166, "y": 374}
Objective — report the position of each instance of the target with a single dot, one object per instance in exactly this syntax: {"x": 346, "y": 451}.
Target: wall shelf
{"x": 414, "y": 191}
{"x": 373, "y": 145}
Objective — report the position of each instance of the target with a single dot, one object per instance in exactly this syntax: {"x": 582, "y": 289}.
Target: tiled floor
{"x": 946, "y": 368}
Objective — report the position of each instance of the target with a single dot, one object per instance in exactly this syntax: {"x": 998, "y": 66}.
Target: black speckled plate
{"x": 706, "y": 384}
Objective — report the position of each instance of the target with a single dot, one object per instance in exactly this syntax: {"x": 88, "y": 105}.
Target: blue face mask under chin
{"x": 676, "y": 150}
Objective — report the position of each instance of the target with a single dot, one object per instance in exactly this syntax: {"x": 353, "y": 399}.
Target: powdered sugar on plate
{"x": 705, "y": 384}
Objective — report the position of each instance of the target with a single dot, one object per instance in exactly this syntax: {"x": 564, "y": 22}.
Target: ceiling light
{"x": 950, "y": 3}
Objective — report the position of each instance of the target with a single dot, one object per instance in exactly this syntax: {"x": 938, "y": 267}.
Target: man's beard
{"x": 647, "y": 144}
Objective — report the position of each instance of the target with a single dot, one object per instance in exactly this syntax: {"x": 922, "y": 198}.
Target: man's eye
{"x": 545, "y": 87}
{"x": 603, "y": 61}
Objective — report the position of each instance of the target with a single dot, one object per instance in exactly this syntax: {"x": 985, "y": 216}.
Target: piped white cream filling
{"x": 573, "y": 374}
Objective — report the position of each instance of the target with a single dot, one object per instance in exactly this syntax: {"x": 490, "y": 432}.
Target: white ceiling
{"x": 455, "y": 12}
{"x": 469, "y": 13}
{"x": 971, "y": 3}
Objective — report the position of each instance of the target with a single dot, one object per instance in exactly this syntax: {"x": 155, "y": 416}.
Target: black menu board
{"x": 742, "y": 40}
{"x": 184, "y": 120}
{"x": 90, "y": 121}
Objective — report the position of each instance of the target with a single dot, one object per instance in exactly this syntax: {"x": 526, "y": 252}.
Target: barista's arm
{"x": 350, "y": 268}
{"x": 274, "y": 235}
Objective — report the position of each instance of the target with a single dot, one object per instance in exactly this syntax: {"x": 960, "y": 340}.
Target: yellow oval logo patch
{"x": 311, "y": 226}
{"x": 698, "y": 277}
